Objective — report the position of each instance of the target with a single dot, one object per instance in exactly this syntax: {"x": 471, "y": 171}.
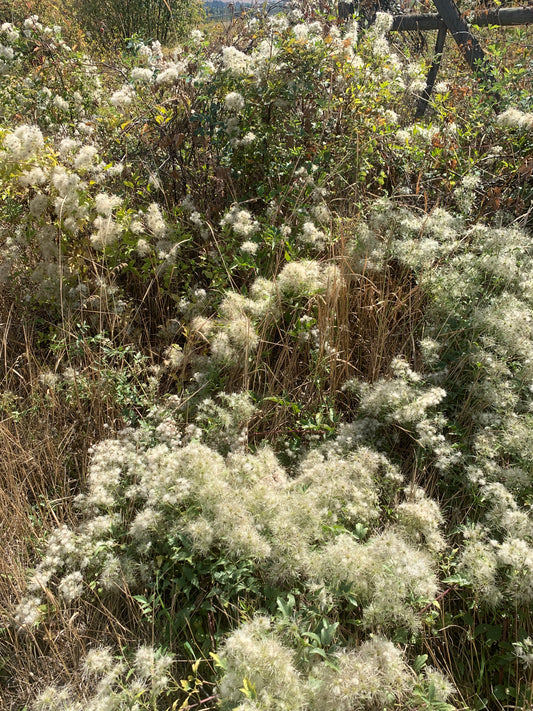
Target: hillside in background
{"x": 218, "y": 8}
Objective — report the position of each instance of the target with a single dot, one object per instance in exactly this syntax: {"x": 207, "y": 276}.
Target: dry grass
{"x": 363, "y": 322}
{"x": 44, "y": 445}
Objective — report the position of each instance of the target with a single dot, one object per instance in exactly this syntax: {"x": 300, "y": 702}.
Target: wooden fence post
{"x": 449, "y": 18}
{"x": 466, "y": 42}
{"x": 432, "y": 74}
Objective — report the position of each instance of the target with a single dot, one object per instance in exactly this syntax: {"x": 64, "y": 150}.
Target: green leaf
{"x": 220, "y": 663}
{"x": 360, "y": 531}
{"x": 312, "y": 636}
{"x": 420, "y": 662}
{"x": 319, "y": 651}
{"x": 286, "y": 607}
{"x": 328, "y": 632}
{"x": 456, "y": 580}
{"x": 187, "y": 647}
{"x": 248, "y": 689}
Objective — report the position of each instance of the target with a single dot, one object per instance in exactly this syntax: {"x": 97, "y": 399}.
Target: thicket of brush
{"x": 267, "y": 388}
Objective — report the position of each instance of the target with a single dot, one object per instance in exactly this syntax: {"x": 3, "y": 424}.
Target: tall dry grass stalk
{"x": 44, "y": 446}
{"x": 363, "y": 322}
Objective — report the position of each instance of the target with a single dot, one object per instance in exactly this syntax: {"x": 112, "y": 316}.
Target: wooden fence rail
{"x": 505, "y": 17}
{"x": 449, "y": 19}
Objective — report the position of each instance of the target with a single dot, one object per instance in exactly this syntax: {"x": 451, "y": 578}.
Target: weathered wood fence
{"x": 449, "y": 19}
{"x": 503, "y": 17}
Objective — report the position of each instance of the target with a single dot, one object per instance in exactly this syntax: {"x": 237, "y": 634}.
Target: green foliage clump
{"x": 111, "y": 21}
{"x": 303, "y": 324}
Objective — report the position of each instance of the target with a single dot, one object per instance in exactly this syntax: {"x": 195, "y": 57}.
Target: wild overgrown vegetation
{"x": 267, "y": 383}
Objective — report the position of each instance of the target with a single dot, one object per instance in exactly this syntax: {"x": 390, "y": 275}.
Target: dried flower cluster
{"x": 203, "y": 205}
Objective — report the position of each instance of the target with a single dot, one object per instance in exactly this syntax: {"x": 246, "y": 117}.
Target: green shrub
{"x": 299, "y": 326}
